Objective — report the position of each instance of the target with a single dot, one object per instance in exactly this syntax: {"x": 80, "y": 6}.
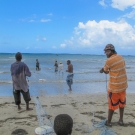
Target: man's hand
{"x": 106, "y": 72}
{"x": 101, "y": 70}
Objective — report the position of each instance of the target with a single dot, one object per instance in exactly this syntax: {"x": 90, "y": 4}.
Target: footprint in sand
{"x": 19, "y": 132}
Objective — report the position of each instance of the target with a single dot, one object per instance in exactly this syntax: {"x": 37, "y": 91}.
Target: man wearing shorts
{"x": 19, "y": 71}
{"x": 115, "y": 66}
{"x": 70, "y": 75}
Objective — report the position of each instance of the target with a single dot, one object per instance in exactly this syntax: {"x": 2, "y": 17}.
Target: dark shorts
{"x": 17, "y": 96}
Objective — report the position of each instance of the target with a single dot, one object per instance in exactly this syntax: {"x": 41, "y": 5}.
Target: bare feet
{"x": 19, "y": 107}
{"x": 120, "y": 123}
{"x": 108, "y": 124}
{"x": 29, "y": 109}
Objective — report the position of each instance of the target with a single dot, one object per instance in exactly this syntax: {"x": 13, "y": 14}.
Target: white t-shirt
{"x": 60, "y": 66}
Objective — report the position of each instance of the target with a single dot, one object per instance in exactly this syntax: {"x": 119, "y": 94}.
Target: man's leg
{"x": 69, "y": 84}
{"x": 110, "y": 114}
{"x": 27, "y": 106}
{"x": 26, "y": 96}
{"x": 17, "y": 98}
{"x": 121, "y": 110}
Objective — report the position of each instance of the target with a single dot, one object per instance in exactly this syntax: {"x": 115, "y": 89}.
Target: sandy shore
{"x": 79, "y": 107}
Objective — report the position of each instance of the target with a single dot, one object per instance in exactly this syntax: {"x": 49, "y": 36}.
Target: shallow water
{"x": 87, "y": 78}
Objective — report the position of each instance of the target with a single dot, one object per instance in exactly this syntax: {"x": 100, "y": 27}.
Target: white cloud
{"x": 37, "y": 47}
{"x": 27, "y": 48}
{"x": 37, "y": 39}
{"x": 40, "y": 38}
{"x": 63, "y": 45}
{"x": 102, "y": 3}
{"x": 45, "y": 20}
{"x": 123, "y": 4}
{"x": 119, "y": 4}
{"x": 50, "y": 14}
{"x": 130, "y": 15}
{"x": 54, "y": 47}
{"x": 97, "y": 34}
{"x": 44, "y": 39}
{"x": 32, "y": 21}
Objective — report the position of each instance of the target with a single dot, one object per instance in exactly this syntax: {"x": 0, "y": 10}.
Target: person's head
{"x": 60, "y": 62}
{"x": 63, "y": 124}
{"x": 109, "y": 50}
{"x": 56, "y": 61}
{"x": 68, "y": 62}
{"x": 18, "y": 56}
{"x": 36, "y": 59}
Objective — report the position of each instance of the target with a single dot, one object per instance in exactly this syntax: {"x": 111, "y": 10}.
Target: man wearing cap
{"x": 115, "y": 66}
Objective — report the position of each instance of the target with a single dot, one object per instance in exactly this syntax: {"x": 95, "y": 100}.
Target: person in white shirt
{"x": 60, "y": 68}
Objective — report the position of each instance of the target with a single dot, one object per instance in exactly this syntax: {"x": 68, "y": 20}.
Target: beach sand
{"x": 79, "y": 107}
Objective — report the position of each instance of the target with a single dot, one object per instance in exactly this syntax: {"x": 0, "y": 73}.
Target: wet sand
{"x": 79, "y": 107}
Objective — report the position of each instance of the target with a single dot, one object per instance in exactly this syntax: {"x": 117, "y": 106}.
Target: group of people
{"x": 58, "y": 67}
{"x": 70, "y": 75}
{"x": 114, "y": 66}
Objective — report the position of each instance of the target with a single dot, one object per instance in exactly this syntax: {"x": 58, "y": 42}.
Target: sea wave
{"x": 4, "y": 72}
{"x": 75, "y": 81}
{"x": 86, "y": 72}
{"x": 5, "y": 82}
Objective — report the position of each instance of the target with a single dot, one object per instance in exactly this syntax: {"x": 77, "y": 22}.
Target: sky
{"x": 67, "y": 26}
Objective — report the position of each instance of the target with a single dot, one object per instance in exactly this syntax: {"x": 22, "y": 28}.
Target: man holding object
{"x": 115, "y": 66}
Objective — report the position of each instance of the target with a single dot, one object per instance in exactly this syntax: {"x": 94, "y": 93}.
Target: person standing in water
{"x": 37, "y": 65}
{"x": 19, "y": 71}
{"x": 115, "y": 66}
{"x": 70, "y": 75}
{"x": 56, "y": 66}
{"x": 61, "y": 68}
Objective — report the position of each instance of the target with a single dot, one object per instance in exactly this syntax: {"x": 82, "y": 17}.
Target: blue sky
{"x": 67, "y": 26}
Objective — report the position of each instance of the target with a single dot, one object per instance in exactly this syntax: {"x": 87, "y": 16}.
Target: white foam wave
{"x": 4, "y": 72}
{"x": 42, "y": 80}
{"x": 5, "y": 82}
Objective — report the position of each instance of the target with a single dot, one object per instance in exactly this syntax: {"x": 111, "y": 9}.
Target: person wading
{"x": 70, "y": 75}
{"x": 56, "y": 66}
{"x": 115, "y": 67}
{"x": 37, "y": 65}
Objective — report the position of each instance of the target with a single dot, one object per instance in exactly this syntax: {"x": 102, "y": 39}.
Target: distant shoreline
{"x": 64, "y": 54}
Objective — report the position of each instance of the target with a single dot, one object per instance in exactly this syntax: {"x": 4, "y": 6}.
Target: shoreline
{"x": 79, "y": 106}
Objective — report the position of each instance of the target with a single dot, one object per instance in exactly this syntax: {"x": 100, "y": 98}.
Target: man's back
{"x": 19, "y": 71}
{"x": 118, "y": 78}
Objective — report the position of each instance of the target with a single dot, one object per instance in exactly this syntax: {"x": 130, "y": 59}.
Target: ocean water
{"x": 87, "y": 78}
